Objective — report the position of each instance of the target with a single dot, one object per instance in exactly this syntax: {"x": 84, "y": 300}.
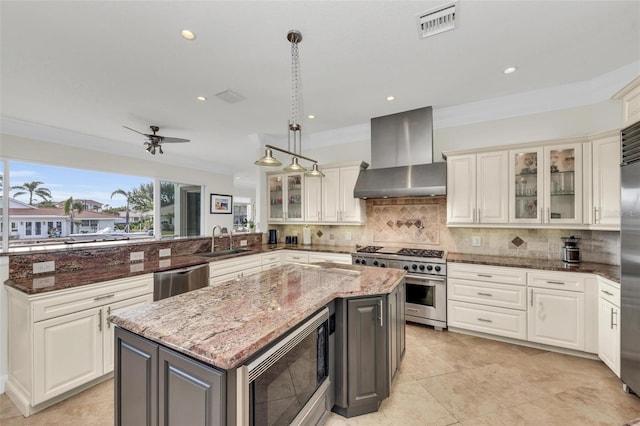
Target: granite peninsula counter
{"x": 227, "y": 325}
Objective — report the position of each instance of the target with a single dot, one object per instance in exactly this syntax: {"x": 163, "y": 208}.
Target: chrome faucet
{"x": 213, "y": 237}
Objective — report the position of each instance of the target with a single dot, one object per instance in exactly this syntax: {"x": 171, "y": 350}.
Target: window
{"x": 180, "y": 209}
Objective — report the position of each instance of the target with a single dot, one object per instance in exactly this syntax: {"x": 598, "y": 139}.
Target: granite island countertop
{"x": 223, "y": 325}
{"x": 611, "y": 272}
{"x": 41, "y": 283}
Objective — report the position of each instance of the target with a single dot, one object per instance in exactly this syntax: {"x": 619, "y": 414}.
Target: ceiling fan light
{"x": 268, "y": 160}
{"x": 314, "y": 172}
{"x": 294, "y": 166}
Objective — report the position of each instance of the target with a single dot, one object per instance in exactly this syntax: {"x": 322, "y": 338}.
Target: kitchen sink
{"x": 225, "y": 252}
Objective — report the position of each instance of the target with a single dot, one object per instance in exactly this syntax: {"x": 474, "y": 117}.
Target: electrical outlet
{"x": 332, "y": 237}
{"x": 243, "y": 243}
{"x": 164, "y": 263}
{"x": 136, "y": 255}
{"x": 136, "y": 267}
{"x": 42, "y": 267}
{"x": 166, "y": 252}
{"x": 475, "y": 241}
{"x": 348, "y": 236}
{"x": 43, "y": 282}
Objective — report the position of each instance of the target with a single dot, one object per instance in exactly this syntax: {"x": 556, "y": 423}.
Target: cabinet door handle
{"x": 595, "y": 214}
{"x": 614, "y": 312}
{"x": 100, "y": 320}
{"x": 381, "y": 313}
{"x": 608, "y": 293}
{"x": 106, "y": 296}
{"x": 485, "y": 294}
{"x": 108, "y": 314}
{"x": 541, "y": 215}
{"x": 413, "y": 309}
{"x": 531, "y": 296}
{"x": 556, "y": 282}
{"x": 296, "y": 257}
{"x": 485, "y": 320}
{"x": 485, "y": 275}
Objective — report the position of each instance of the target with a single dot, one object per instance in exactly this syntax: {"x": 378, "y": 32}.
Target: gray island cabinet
{"x": 180, "y": 360}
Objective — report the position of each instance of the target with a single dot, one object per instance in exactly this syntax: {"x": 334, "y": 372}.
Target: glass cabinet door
{"x": 276, "y": 196}
{"x": 294, "y": 197}
{"x": 563, "y": 183}
{"x": 526, "y": 186}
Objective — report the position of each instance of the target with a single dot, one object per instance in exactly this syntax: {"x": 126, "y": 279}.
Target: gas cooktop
{"x": 410, "y": 252}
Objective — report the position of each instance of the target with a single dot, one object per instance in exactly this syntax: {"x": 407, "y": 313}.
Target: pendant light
{"x": 294, "y": 129}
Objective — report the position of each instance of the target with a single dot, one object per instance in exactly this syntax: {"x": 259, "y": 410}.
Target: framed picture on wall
{"x": 221, "y": 204}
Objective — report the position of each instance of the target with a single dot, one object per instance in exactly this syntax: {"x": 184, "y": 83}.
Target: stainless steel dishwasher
{"x": 178, "y": 281}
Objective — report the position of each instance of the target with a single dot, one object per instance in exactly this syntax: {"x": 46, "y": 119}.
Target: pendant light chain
{"x": 294, "y": 125}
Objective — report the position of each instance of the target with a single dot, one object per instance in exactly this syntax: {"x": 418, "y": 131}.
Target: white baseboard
{"x": 3, "y": 380}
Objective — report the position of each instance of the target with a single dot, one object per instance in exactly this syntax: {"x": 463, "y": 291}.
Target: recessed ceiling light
{"x": 390, "y": 98}
{"x": 311, "y": 116}
{"x": 187, "y": 35}
{"x": 509, "y": 70}
{"x": 201, "y": 98}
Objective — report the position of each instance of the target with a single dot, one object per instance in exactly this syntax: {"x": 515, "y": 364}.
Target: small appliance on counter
{"x": 273, "y": 236}
{"x": 570, "y": 251}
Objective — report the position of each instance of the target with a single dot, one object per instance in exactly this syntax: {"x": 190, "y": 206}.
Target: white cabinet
{"x": 556, "y": 313}
{"x": 313, "y": 199}
{"x": 630, "y": 96}
{"x": 477, "y": 188}
{"x": 605, "y": 160}
{"x": 286, "y": 195}
{"x": 61, "y": 341}
{"x": 338, "y": 203}
{"x": 546, "y": 184}
{"x": 608, "y": 324}
{"x": 294, "y": 256}
{"x": 229, "y": 269}
{"x": 271, "y": 260}
{"x": 330, "y": 257}
{"x": 487, "y": 299}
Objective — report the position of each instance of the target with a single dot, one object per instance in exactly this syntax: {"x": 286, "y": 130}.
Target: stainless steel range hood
{"x": 402, "y": 158}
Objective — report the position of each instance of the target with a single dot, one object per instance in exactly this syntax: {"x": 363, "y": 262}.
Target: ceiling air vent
{"x": 437, "y": 20}
{"x": 229, "y": 96}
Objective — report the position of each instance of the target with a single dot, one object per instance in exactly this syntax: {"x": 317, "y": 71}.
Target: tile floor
{"x": 445, "y": 379}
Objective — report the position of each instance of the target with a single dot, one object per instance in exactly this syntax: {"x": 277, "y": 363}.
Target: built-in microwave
{"x": 288, "y": 383}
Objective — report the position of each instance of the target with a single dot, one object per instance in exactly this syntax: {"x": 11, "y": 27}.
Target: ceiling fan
{"x": 154, "y": 140}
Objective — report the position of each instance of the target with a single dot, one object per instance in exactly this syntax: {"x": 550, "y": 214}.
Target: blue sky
{"x": 64, "y": 182}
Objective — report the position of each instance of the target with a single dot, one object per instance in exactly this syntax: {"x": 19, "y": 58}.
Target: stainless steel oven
{"x": 426, "y": 287}
{"x": 426, "y": 300}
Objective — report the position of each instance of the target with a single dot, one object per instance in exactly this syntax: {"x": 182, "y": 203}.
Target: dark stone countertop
{"x": 41, "y": 283}
{"x": 611, "y": 272}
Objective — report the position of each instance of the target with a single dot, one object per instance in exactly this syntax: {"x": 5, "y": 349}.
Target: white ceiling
{"x": 92, "y": 67}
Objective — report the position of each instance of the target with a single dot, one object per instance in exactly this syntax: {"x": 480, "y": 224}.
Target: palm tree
{"x": 129, "y": 198}
{"x": 32, "y": 189}
{"x": 70, "y": 206}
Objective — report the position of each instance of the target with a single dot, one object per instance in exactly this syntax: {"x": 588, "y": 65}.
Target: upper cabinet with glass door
{"x": 285, "y": 197}
{"x": 546, "y": 185}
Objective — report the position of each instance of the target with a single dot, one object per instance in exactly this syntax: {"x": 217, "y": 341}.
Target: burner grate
{"x": 439, "y": 254}
{"x": 369, "y": 249}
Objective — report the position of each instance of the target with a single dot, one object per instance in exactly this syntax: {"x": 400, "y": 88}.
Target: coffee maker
{"x": 273, "y": 236}
{"x": 570, "y": 251}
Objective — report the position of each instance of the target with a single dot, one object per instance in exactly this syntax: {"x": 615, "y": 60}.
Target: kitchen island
{"x": 223, "y": 328}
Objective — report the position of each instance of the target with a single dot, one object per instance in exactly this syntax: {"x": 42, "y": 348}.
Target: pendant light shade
{"x": 314, "y": 172}
{"x": 294, "y": 166}
{"x": 268, "y": 159}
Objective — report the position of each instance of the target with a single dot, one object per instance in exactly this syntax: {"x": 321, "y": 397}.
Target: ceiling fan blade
{"x": 134, "y": 130}
{"x": 172, "y": 140}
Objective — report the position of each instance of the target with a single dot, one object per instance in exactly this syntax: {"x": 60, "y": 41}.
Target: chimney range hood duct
{"x": 402, "y": 158}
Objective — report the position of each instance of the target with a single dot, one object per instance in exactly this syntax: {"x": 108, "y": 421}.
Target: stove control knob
{"x": 357, "y": 261}
{"x": 363, "y": 262}
{"x": 438, "y": 269}
{"x": 414, "y": 266}
{"x": 405, "y": 267}
{"x": 383, "y": 265}
{"x": 375, "y": 263}
{"x": 422, "y": 267}
{"x": 429, "y": 267}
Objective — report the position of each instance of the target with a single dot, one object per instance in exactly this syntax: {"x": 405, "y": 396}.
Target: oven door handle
{"x": 424, "y": 279}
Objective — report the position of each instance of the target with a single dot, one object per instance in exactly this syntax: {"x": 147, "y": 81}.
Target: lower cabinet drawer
{"x": 487, "y": 319}
{"x": 501, "y": 295}
{"x": 270, "y": 266}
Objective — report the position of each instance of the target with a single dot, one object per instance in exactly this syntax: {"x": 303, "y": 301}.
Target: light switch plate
{"x": 42, "y": 267}
{"x": 475, "y": 241}
{"x": 165, "y": 252}
{"x": 348, "y": 236}
{"x": 136, "y": 255}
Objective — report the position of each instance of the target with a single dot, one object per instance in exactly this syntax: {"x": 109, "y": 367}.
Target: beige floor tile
{"x": 606, "y": 397}
{"x": 502, "y": 417}
{"x": 552, "y": 411}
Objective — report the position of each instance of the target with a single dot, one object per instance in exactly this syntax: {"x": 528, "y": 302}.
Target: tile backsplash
{"x": 420, "y": 222}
